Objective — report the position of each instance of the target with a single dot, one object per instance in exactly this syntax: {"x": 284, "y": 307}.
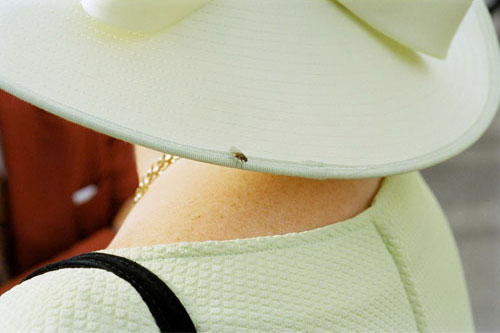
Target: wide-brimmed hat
{"x": 311, "y": 88}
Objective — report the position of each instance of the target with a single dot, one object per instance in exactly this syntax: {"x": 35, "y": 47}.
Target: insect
{"x": 240, "y": 157}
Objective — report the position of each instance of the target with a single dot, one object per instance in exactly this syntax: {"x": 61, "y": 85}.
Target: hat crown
{"x": 425, "y": 26}
{"x": 140, "y": 15}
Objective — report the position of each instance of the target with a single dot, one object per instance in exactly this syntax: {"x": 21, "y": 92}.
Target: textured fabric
{"x": 394, "y": 267}
{"x": 301, "y": 87}
{"x": 168, "y": 312}
{"x": 48, "y": 159}
{"x": 97, "y": 241}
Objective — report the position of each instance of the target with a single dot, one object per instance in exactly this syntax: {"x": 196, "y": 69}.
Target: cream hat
{"x": 311, "y": 88}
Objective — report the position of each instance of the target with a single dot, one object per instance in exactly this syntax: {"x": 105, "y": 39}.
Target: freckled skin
{"x": 195, "y": 201}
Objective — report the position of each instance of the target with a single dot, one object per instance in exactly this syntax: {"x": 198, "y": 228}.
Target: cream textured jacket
{"x": 394, "y": 267}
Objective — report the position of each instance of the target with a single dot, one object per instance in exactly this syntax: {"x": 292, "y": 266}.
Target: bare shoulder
{"x": 194, "y": 201}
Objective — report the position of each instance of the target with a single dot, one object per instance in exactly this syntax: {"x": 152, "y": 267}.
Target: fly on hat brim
{"x": 310, "y": 88}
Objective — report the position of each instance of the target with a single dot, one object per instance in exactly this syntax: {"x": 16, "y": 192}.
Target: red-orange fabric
{"x": 98, "y": 241}
{"x": 48, "y": 159}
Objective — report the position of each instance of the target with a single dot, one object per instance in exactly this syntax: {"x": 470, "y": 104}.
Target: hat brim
{"x": 301, "y": 88}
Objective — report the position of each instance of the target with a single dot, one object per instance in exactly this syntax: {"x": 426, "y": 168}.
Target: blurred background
{"x": 468, "y": 188}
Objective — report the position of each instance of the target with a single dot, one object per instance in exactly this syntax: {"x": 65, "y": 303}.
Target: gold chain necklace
{"x": 153, "y": 172}
{"x": 163, "y": 163}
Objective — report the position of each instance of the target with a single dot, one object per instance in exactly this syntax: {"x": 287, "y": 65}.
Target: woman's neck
{"x": 194, "y": 201}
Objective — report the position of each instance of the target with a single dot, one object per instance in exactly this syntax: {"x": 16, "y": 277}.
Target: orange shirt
{"x": 47, "y": 160}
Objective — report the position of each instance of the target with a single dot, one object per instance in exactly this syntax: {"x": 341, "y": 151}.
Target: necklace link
{"x": 153, "y": 172}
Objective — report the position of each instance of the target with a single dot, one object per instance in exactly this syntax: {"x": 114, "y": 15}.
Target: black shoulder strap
{"x": 168, "y": 312}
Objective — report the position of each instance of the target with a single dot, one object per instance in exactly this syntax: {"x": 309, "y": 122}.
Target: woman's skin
{"x": 193, "y": 201}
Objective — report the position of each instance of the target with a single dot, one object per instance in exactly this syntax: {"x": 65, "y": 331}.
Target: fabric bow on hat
{"x": 141, "y": 15}
{"x": 427, "y": 26}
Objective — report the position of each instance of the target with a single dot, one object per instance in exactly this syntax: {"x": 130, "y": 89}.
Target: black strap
{"x": 168, "y": 312}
